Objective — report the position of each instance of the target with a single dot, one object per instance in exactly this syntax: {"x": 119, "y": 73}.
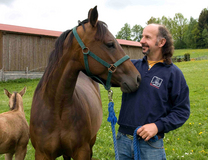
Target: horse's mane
{"x": 14, "y": 102}
{"x": 57, "y": 52}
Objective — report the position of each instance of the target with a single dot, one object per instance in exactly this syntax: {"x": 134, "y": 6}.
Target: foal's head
{"x": 15, "y": 99}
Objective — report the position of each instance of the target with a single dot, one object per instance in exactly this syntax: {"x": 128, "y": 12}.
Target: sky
{"x": 61, "y": 15}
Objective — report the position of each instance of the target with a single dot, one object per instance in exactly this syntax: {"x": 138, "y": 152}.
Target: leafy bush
{"x": 187, "y": 57}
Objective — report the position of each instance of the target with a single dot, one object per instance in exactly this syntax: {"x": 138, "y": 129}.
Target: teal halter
{"x": 111, "y": 67}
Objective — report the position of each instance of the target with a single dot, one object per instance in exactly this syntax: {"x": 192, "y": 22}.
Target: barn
{"x": 24, "y": 51}
{"x": 132, "y": 48}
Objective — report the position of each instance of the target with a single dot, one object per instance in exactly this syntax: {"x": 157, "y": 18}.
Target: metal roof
{"x": 27, "y": 30}
{"x": 129, "y": 43}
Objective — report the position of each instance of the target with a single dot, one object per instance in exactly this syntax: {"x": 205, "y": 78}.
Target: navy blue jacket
{"x": 162, "y": 98}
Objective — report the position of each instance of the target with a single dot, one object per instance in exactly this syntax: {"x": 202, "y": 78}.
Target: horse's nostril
{"x": 138, "y": 79}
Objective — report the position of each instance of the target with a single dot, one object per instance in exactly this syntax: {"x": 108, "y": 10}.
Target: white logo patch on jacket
{"x": 156, "y": 82}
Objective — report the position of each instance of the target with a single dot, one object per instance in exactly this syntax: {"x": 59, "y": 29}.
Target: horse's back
{"x": 13, "y": 121}
{"x": 14, "y": 131}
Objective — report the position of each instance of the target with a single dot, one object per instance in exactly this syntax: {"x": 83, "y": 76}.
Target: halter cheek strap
{"x": 111, "y": 67}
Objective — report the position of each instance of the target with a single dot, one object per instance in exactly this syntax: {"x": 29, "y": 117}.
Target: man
{"x": 161, "y": 103}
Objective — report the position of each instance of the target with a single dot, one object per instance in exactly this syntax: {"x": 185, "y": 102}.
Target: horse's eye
{"x": 110, "y": 45}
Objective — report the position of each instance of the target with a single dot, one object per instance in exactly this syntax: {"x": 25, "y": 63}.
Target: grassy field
{"x": 194, "y": 53}
{"x": 189, "y": 142}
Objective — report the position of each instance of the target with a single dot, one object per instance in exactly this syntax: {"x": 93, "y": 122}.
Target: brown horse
{"x": 14, "y": 129}
{"x": 66, "y": 110}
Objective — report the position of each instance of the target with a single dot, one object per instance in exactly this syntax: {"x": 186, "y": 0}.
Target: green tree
{"x": 164, "y": 20}
{"x": 168, "y": 22}
{"x": 180, "y": 25}
{"x": 203, "y": 20}
{"x": 202, "y": 24}
{"x": 196, "y": 33}
{"x": 124, "y": 33}
{"x": 190, "y": 35}
{"x": 137, "y": 32}
{"x": 153, "y": 20}
{"x": 205, "y": 37}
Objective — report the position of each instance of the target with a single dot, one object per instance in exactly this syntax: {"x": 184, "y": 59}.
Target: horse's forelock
{"x": 101, "y": 31}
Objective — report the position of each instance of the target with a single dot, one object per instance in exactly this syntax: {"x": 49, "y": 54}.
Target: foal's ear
{"x": 93, "y": 16}
{"x": 7, "y": 93}
{"x": 22, "y": 92}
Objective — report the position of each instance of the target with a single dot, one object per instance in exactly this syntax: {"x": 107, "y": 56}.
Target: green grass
{"x": 189, "y": 142}
{"x": 194, "y": 53}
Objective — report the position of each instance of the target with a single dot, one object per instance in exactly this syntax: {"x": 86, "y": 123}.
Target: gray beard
{"x": 146, "y": 53}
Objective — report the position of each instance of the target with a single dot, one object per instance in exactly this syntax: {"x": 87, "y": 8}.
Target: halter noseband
{"x": 111, "y": 67}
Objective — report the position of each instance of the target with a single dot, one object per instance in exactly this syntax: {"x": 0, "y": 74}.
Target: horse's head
{"x": 103, "y": 56}
{"x": 15, "y": 98}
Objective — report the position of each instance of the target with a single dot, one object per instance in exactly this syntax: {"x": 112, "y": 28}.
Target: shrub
{"x": 187, "y": 57}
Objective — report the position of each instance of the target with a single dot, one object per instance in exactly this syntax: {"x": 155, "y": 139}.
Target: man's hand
{"x": 147, "y": 131}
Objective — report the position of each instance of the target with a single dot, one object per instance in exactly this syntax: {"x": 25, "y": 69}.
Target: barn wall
{"x": 133, "y": 52}
{"x": 1, "y": 50}
{"x": 21, "y": 51}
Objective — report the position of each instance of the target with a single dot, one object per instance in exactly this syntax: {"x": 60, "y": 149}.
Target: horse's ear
{"x": 93, "y": 16}
{"x": 7, "y": 93}
{"x": 22, "y": 92}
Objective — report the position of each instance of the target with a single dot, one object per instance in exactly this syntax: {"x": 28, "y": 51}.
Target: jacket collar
{"x": 144, "y": 59}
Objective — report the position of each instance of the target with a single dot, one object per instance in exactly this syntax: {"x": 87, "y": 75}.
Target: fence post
{"x": 2, "y": 75}
{"x": 26, "y": 72}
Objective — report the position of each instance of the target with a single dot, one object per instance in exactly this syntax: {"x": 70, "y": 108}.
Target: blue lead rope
{"x": 112, "y": 118}
{"x": 136, "y": 144}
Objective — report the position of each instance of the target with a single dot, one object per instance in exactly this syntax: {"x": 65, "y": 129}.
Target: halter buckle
{"x": 110, "y": 95}
{"x": 112, "y": 68}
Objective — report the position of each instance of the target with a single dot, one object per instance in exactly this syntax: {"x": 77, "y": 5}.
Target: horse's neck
{"x": 67, "y": 82}
{"x": 18, "y": 105}
{"x": 62, "y": 83}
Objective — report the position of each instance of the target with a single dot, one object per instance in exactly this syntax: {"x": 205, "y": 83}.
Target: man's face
{"x": 149, "y": 39}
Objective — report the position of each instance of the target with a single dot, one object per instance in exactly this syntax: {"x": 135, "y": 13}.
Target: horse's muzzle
{"x": 128, "y": 87}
